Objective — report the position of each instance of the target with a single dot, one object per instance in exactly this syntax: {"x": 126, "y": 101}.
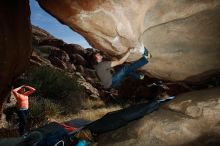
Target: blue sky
{"x": 45, "y": 21}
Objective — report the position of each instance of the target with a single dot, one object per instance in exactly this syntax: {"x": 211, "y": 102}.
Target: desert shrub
{"x": 41, "y": 109}
{"x": 49, "y": 82}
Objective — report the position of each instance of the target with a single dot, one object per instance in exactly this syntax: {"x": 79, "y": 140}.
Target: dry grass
{"x": 88, "y": 114}
{"x": 93, "y": 109}
{"x": 88, "y": 103}
{"x": 90, "y": 110}
{"x": 95, "y": 114}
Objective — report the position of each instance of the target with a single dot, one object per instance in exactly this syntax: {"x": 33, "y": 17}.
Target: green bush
{"x": 49, "y": 83}
{"x": 41, "y": 108}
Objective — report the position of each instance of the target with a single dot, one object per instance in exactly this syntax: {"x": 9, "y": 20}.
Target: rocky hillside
{"x": 72, "y": 58}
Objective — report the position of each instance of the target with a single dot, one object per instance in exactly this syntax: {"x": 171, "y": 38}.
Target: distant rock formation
{"x": 183, "y": 36}
{"x": 72, "y": 58}
{"x": 40, "y": 34}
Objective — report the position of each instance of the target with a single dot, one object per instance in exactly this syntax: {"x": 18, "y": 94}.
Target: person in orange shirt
{"x": 21, "y": 94}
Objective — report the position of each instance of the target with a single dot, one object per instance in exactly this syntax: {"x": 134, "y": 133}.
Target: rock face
{"x": 39, "y": 34}
{"x": 51, "y": 51}
{"x": 190, "y": 119}
{"x": 183, "y": 36}
{"x": 15, "y": 40}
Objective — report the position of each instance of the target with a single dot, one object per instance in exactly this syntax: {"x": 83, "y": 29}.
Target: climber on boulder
{"x": 103, "y": 68}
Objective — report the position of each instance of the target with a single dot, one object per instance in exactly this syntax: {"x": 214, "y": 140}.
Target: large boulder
{"x": 62, "y": 55}
{"x": 39, "y": 34}
{"x": 183, "y": 36}
{"x": 78, "y": 59}
{"x": 191, "y": 119}
{"x": 73, "y": 49}
{"x": 36, "y": 59}
{"x": 51, "y": 42}
{"x": 15, "y": 42}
